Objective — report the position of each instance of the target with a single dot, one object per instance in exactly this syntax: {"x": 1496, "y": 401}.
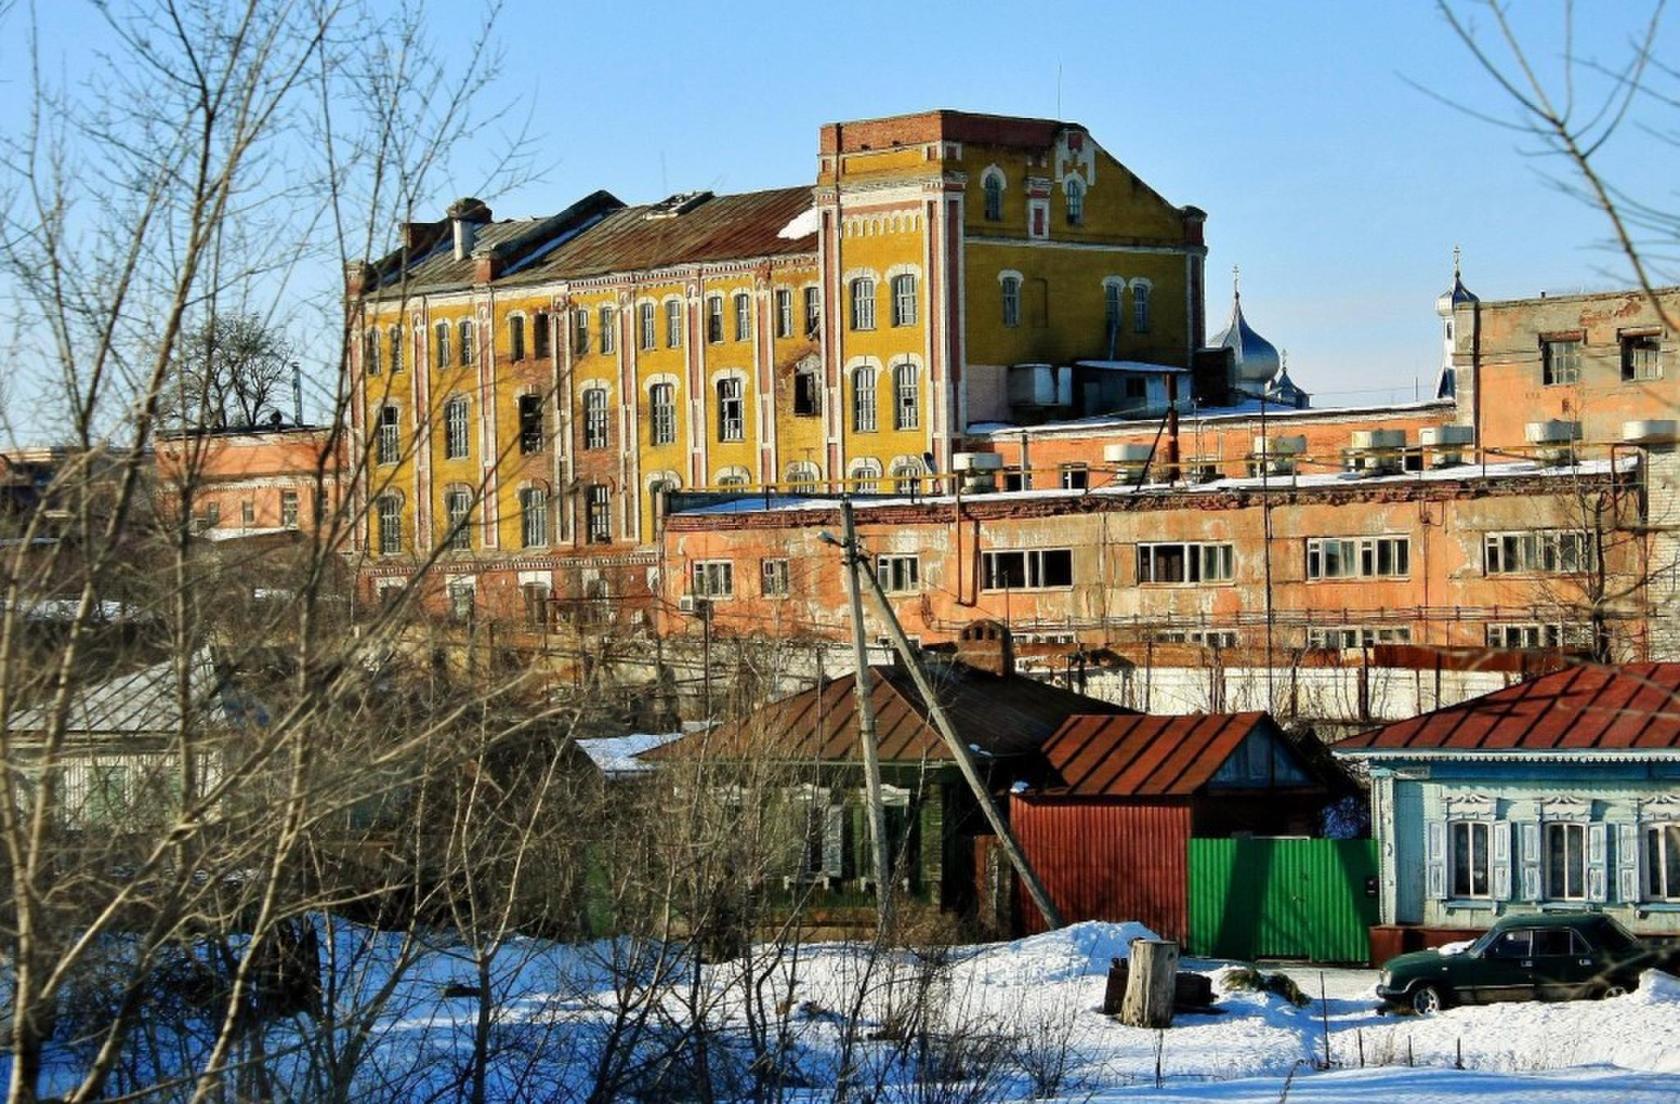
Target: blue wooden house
{"x": 1560, "y": 793}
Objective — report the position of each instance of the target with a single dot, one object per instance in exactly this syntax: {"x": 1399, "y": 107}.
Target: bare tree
{"x": 234, "y": 370}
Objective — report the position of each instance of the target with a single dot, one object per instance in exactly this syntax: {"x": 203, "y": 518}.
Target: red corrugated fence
{"x": 1107, "y": 861}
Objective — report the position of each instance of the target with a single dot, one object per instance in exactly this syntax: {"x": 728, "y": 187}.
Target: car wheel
{"x": 1426, "y": 1001}
{"x": 1612, "y": 990}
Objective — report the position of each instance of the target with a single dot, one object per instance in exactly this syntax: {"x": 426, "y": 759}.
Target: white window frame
{"x": 1636, "y": 366}
{"x": 907, "y": 395}
{"x": 865, "y": 398}
{"x": 647, "y": 326}
{"x": 1341, "y": 637}
{"x": 457, "y": 428}
{"x": 1655, "y": 846}
{"x": 861, "y": 291}
{"x": 743, "y": 316}
{"x": 1520, "y": 635}
{"x": 1538, "y": 552}
{"x": 904, "y": 299}
{"x": 1471, "y": 827}
{"x": 597, "y": 513}
{"x": 288, "y": 509}
{"x": 784, "y": 312}
{"x": 732, "y": 406}
{"x": 1010, "y": 286}
{"x": 1074, "y": 190}
{"x": 898, "y": 573}
{"x": 773, "y": 577}
{"x": 388, "y": 518}
{"x": 1560, "y": 361}
{"x": 1363, "y": 557}
{"x": 712, "y": 579}
{"x": 1204, "y": 562}
{"x": 992, "y": 185}
{"x": 662, "y": 413}
{"x": 580, "y": 331}
{"x": 1032, "y": 568}
{"x": 457, "y": 512}
{"x": 607, "y": 323}
{"x": 673, "y": 323}
{"x": 813, "y": 311}
{"x": 533, "y": 517}
{"x": 465, "y": 353}
{"x": 440, "y": 344}
{"x": 595, "y": 420}
{"x": 714, "y": 319}
{"x": 388, "y": 449}
{"x": 1140, "y": 306}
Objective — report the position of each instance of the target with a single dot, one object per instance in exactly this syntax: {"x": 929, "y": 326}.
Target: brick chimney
{"x": 987, "y": 646}
{"x": 358, "y": 277}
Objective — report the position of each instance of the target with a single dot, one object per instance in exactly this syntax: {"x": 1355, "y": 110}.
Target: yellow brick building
{"x": 527, "y": 390}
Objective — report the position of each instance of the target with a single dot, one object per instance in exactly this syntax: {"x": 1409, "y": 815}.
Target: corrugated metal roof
{"x": 723, "y": 228}
{"x": 145, "y": 702}
{"x": 1629, "y": 708}
{"x": 999, "y": 717}
{"x": 1144, "y": 755}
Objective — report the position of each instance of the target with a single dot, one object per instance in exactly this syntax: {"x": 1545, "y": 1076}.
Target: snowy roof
{"x": 1248, "y": 408}
{"x": 1141, "y": 366}
{"x": 620, "y": 756}
{"x": 145, "y": 702}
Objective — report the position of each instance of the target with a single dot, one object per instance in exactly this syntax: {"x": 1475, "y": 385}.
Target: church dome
{"x": 1458, "y": 294}
{"x": 1256, "y": 359}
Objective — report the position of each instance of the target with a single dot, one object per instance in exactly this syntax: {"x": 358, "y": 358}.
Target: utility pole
{"x": 965, "y": 761}
{"x": 866, "y": 720}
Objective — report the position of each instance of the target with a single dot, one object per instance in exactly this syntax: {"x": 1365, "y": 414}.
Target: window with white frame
{"x": 1566, "y": 860}
{"x": 1662, "y": 862}
{"x": 1075, "y": 477}
{"x": 731, "y": 409}
{"x": 1185, "y": 562}
{"x": 1538, "y": 551}
{"x": 863, "y": 399}
{"x": 1641, "y": 357}
{"x": 533, "y": 515}
{"x": 1357, "y": 636}
{"x": 773, "y": 578}
{"x": 248, "y": 514}
{"x": 1358, "y": 557}
{"x": 907, "y": 393}
{"x": 457, "y": 507}
{"x": 1539, "y": 634}
{"x": 734, "y": 477}
{"x": 662, "y": 413}
{"x": 899, "y": 574}
{"x": 644, "y": 314}
{"x": 440, "y": 345}
{"x": 714, "y": 319}
{"x": 1011, "y": 288}
{"x": 743, "y": 316}
{"x": 904, "y": 299}
{"x": 813, "y": 312}
{"x": 608, "y": 326}
{"x": 396, "y": 349}
{"x": 1560, "y": 361}
{"x": 370, "y": 353}
{"x": 460, "y": 592}
{"x": 1207, "y": 638}
{"x": 784, "y": 312}
{"x": 712, "y": 578}
{"x": 390, "y": 435}
{"x": 907, "y": 477}
{"x": 580, "y": 331}
{"x": 457, "y": 433}
{"x": 1075, "y": 190}
{"x": 598, "y": 512}
{"x": 863, "y": 303}
{"x": 464, "y": 343}
{"x": 1113, "y": 300}
{"x": 288, "y": 509}
{"x": 673, "y": 323}
{"x": 595, "y": 418}
{"x": 1469, "y": 858}
{"x": 992, "y": 185}
{"x": 1140, "y": 308}
{"x": 1026, "y": 569}
{"x": 802, "y": 476}
{"x": 390, "y": 524}
{"x": 865, "y": 475}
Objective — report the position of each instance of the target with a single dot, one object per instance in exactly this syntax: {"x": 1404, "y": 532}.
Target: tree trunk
{"x": 1151, "y": 984}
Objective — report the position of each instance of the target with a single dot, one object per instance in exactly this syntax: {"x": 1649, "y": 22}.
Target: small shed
{"x": 1109, "y": 829}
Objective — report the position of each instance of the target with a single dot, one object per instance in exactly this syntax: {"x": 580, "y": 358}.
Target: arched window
{"x": 1113, "y": 290}
{"x": 731, "y": 409}
{"x": 743, "y": 316}
{"x": 1075, "y": 189}
{"x": 595, "y": 418}
{"x": 993, "y": 186}
{"x": 865, "y": 476}
{"x": 734, "y": 477}
{"x": 863, "y": 399}
{"x": 389, "y": 442}
{"x": 906, "y": 396}
{"x": 863, "y": 303}
{"x": 662, "y": 413}
{"x": 904, "y": 300}
{"x": 673, "y": 323}
{"x": 1011, "y": 300}
{"x": 644, "y": 313}
{"x": 457, "y": 506}
{"x": 1140, "y": 308}
{"x": 533, "y": 517}
{"x": 464, "y": 339}
{"x": 396, "y": 349}
{"x": 714, "y": 318}
{"x": 907, "y": 477}
{"x": 455, "y": 429}
{"x": 609, "y": 329}
{"x": 440, "y": 345}
{"x": 370, "y": 353}
{"x": 802, "y": 477}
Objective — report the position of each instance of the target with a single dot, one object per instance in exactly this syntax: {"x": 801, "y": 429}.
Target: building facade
{"x": 527, "y": 393}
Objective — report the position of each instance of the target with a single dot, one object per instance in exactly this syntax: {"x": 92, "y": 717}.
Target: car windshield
{"x": 1613, "y": 937}
{"x": 1480, "y": 946}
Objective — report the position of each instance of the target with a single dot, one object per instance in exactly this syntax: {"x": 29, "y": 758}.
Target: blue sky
{"x": 1337, "y": 186}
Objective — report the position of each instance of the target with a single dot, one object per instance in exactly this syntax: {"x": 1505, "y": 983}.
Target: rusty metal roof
{"x": 722, "y": 228}
{"x": 997, "y": 717}
{"x": 1145, "y": 755}
{"x": 1630, "y": 708}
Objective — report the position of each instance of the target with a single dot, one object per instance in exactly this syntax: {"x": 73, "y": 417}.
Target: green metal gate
{"x": 1282, "y": 898}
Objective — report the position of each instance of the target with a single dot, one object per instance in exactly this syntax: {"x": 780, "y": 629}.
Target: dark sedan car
{"x": 1561, "y": 956}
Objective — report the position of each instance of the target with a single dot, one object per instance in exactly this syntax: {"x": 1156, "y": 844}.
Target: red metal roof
{"x": 1634, "y": 707}
{"x": 1145, "y": 755}
{"x": 999, "y": 717}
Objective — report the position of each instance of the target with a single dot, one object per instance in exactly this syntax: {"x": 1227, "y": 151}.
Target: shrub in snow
{"x": 1237, "y": 979}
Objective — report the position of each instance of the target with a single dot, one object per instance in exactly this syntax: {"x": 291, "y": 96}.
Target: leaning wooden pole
{"x": 866, "y": 723}
{"x": 965, "y": 762}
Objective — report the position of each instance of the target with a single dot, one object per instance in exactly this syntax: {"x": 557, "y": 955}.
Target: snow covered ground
{"x": 1003, "y": 1009}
